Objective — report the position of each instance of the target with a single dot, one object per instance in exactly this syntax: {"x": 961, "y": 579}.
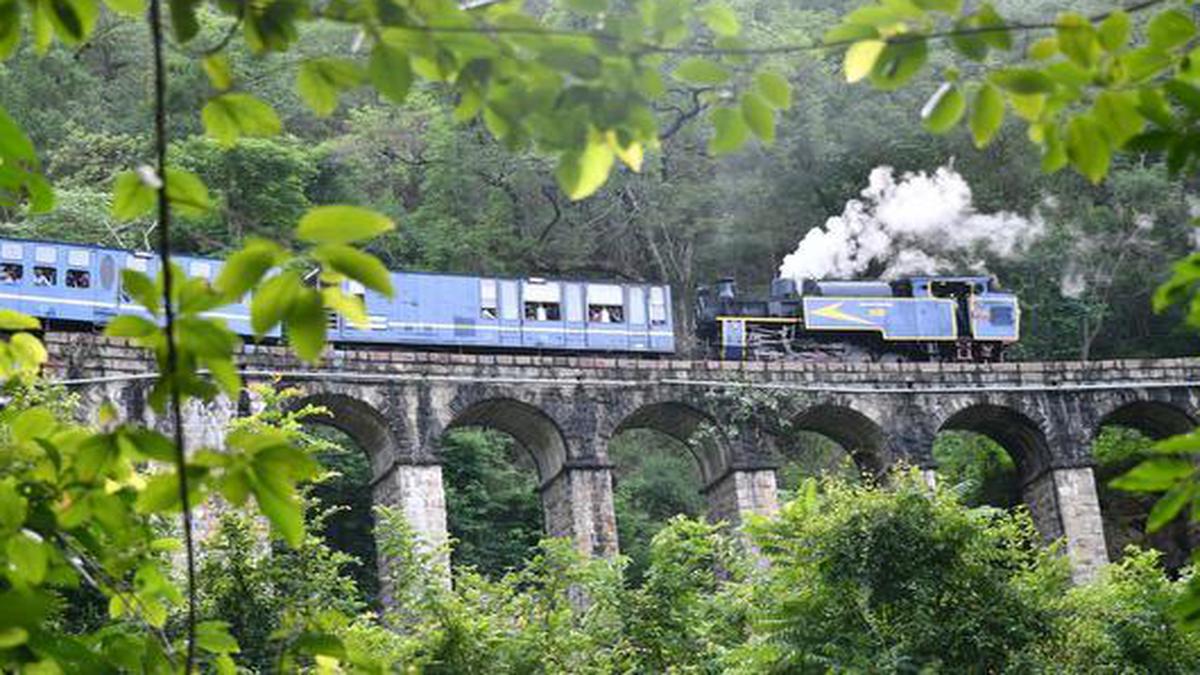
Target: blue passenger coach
{"x": 81, "y": 284}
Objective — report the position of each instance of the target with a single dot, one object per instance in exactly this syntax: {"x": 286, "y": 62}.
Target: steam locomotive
{"x": 967, "y": 318}
{"x": 951, "y": 318}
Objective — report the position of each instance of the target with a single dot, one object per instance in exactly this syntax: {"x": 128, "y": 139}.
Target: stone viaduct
{"x": 565, "y": 409}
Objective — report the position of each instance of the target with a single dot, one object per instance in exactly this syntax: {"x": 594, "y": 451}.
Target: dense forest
{"x": 467, "y": 204}
{"x": 851, "y": 576}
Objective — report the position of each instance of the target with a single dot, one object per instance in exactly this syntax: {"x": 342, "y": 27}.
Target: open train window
{"x": 606, "y": 313}
{"x": 11, "y": 273}
{"x": 487, "y": 299}
{"x": 79, "y": 279}
{"x": 543, "y": 311}
{"x": 45, "y": 276}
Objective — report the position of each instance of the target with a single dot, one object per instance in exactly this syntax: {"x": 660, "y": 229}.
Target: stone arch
{"x": 1125, "y": 513}
{"x": 859, "y": 435}
{"x": 1155, "y": 419}
{"x": 529, "y": 425}
{"x": 682, "y": 422}
{"x": 1021, "y": 436}
{"x": 358, "y": 420}
{"x": 1062, "y": 499}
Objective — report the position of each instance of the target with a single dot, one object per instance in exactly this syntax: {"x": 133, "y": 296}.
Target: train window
{"x": 45, "y": 254}
{"x": 79, "y": 258}
{"x": 606, "y": 303}
{"x": 658, "y": 307}
{"x": 12, "y": 251}
{"x": 606, "y": 313}
{"x": 487, "y": 299}
{"x": 45, "y": 276}
{"x": 543, "y": 311}
{"x": 11, "y": 273}
{"x": 1001, "y": 315}
{"x": 79, "y": 279}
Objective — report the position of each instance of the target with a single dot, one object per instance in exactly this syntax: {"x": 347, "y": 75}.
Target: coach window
{"x": 11, "y": 273}
{"x": 487, "y": 299}
{"x": 1001, "y": 315}
{"x": 658, "y": 307}
{"x": 606, "y": 304}
{"x": 45, "y": 276}
{"x": 543, "y": 301}
{"x": 79, "y": 279}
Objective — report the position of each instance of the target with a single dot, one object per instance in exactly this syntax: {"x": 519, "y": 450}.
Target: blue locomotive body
{"x": 913, "y": 318}
{"x": 82, "y": 284}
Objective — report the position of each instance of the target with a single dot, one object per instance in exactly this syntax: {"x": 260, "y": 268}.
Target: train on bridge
{"x": 920, "y": 318}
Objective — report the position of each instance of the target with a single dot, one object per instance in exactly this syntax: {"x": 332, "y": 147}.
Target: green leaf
{"x": 720, "y": 19}
{"x": 160, "y": 495}
{"x": 130, "y": 326}
{"x": 1022, "y": 81}
{"x": 1155, "y": 475}
{"x": 861, "y": 58}
{"x": 987, "y": 114}
{"x": 701, "y": 71}
{"x": 29, "y": 351}
{"x": 319, "y": 82}
{"x": 1114, "y": 30}
{"x": 306, "y": 325}
{"x": 273, "y": 300}
{"x": 759, "y": 116}
{"x": 27, "y": 558}
{"x": 214, "y": 637}
{"x": 245, "y": 268}
{"x": 13, "y": 507}
{"x": 132, "y": 198}
{"x": 216, "y": 67}
{"x": 944, "y": 109}
{"x": 1043, "y": 49}
{"x": 183, "y": 19}
{"x": 353, "y": 263}
{"x": 12, "y": 320}
{"x": 946, "y": 6}
{"x": 13, "y": 636}
{"x": 143, "y": 291}
{"x": 898, "y": 64}
{"x": 1170, "y": 29}
{"x": 340, "y": 224}
{"x": 349, "y": 306}
{"x": 581, "y": 174}
{"x": 1077, "y": 40}
{"x": 729, "y": 131}
{"x": 774, "y": 89}
{"x": 187, "y": 193}
{"x": 230, "y": 116}
{"x": 390, "y": 72}
{"x": 1088, "y": 148}
{"x": 1169, "y": 506}
{"x": 1119, "y": 115}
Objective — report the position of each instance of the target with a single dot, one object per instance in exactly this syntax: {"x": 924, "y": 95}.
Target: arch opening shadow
{"x": 684, "y": 424}
{"x": 1018, "y": 435}
{"x": 529, "y": 426}
{"x": 1123, "y": 439}
{"x": 1155, "y": 419}
{"x": 361, "y": 422}
{"x": 858, "y": 435}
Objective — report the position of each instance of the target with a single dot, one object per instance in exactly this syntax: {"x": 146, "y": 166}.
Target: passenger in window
{"x": 617, "y": 314}
{"x": 488, "y": 312}
{"x": 79, "y": 279}
{"x": 594, "y": 314}
{"x": 11, "y": 273}
{"x": 45, "y": 276}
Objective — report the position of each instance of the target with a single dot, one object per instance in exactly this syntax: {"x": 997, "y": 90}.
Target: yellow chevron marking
{"x": 835, "y": 312}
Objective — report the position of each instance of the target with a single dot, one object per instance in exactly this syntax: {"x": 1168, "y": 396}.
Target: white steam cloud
{"x": 920, "y": 224}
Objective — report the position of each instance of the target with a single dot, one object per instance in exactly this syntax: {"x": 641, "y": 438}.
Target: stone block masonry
{"x": 565, "y": 409}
